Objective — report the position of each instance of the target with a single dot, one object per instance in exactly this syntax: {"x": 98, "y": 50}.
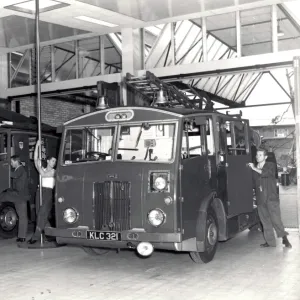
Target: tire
{"x": 211, "y": 239}
{"x": 8, "y": 221}
{"x": 95, "y": 251}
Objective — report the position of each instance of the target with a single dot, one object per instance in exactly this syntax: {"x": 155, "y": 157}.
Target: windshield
{"x": 88, "y": 144}
{"x": 147, "y": 142}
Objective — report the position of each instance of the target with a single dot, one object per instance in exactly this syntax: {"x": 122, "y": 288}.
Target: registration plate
{"x": 104, "y": 235}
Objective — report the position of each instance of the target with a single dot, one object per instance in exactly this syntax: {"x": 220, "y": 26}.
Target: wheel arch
{"x": 219, "y": 209}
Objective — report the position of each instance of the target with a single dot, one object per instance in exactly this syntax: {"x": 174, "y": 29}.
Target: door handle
{"x": 5, "y": 164}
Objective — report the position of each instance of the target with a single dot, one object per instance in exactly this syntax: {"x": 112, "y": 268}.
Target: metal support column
{"x": 30, "y": 67}
{"x": 102, "y": 55}
{"x": 143, "y": 48}
{"x": 76, "y": 59}
{"x": 5, "y": 66}
{"x": 274, "y": 29}
{"x": 38, "y": 90}
{"x": 297, "y": 118}
{"x": 173, "y": 56}
{"x": 132, "y": 55}
{"x": 204, "y": 39}
{"x": 238, "y": 33}
{"x": 53, "y": 75}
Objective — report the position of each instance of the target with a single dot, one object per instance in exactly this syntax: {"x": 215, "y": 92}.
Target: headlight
{"x": 160, "y": 183}
{"x": 70, "y": 215}
{"x": 156, "y": 217}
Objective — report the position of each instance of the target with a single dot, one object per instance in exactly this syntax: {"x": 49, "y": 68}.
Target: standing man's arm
{"x": 268, "y": 170}
{"x": 251, "y": 165}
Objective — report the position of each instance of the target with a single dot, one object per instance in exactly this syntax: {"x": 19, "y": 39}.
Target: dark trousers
{"x": 44, "y": 212}
{"x": 20, "y": 203}
{"x": 270, "y": 216}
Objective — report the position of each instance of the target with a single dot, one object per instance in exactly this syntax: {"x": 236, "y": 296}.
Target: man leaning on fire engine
{"x": 48, "y": 183}
{"x": 268, "y": 200}
{"x": 19, "y": 195}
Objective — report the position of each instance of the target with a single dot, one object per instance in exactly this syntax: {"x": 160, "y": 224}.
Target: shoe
{"x": 264, "y": 245}
{"x": 31, "y": 241}
{"x": 21, "y": 240}
{"x": 286, "y": 242}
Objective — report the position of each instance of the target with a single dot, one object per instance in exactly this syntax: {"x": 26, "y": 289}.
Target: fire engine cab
{"x": 167, "y": 176}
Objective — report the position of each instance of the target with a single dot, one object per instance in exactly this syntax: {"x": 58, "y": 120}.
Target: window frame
{"x": 110, "y": 125}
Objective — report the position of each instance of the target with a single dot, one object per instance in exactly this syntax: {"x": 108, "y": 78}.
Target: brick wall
{"x": 54, "y": 112}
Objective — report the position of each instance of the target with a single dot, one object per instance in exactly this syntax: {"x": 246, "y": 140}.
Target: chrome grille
{"x": 112, "y": 205}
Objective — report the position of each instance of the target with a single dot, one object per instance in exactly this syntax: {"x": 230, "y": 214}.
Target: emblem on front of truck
{"x": 119, "y": 115}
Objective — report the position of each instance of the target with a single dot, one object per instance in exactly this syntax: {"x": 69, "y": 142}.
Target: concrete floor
{"x": 240, "y": 270}
{"x": 288, "y": 204}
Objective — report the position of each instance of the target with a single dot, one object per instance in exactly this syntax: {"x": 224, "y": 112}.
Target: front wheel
{"x": 8, "y": 221}
{"x": 211, "y": 239}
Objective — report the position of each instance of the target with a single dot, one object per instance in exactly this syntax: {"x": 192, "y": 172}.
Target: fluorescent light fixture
{"x": 95, "y": 21}
{"x": 17, "y": 53}
{"x": 29, "y": 6}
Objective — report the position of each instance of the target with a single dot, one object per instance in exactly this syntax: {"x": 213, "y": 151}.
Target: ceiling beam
{"x": 182, "y": 86}
{"x": 140, "y": 24}
{"x": 229, "y": 66}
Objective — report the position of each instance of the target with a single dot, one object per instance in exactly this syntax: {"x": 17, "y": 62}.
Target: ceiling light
{"x": 96, "y": 21}
{"x": 17, "y": 53}
{"x": 29, "y": 6}
{"x": 279, "y": 32}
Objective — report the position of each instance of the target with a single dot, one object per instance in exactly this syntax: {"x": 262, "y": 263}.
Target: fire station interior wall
{"x": 54, "y": 112}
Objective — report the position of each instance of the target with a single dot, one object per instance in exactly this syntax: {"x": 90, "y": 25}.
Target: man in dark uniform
{"x": 19, "y": 195}
{"x": 268, "y": 200}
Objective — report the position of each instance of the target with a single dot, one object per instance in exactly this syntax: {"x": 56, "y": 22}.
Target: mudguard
{"x": 202, "y": 215}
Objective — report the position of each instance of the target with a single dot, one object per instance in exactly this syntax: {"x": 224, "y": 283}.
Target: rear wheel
{"x": 8, "y": 221}
{"x": 211, "y": 239}
{"x": 95, "y": 251}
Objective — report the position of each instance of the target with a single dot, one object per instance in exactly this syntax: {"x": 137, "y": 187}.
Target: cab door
{"x": 4, "y": 161}
{"x": 194, "y": 173}
{"x": 234, "y": 134}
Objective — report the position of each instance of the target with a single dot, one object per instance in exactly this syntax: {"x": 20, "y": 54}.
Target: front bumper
{"x": 80, "y": 233}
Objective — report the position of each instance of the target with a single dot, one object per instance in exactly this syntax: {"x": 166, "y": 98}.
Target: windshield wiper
{"x": 91, "y": 133}
{"x": 139, "y": 136}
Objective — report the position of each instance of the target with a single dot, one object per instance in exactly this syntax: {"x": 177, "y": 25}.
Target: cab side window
{"x": 192, "y": 141}
{"x": 236, "y": 137}
{"x": 3, "y": 147}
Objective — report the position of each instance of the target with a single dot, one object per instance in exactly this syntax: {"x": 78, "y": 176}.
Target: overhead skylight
{"x": 29, "y": 6}
{"x": 95, "y": 21}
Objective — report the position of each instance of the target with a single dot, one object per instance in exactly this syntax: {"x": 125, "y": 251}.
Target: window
{"x": 235, "y": 137}
{"x": 280, "y": 133}
{"x": 147, "y": 142}
{"x": 191, "y": 141}
{"x": 32, "y": 142}
{"x": 3, "y": 146}
{"x": 210, "y": 137}
{"x": 88, "y": 144}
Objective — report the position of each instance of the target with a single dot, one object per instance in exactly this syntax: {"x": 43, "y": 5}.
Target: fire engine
{"x": 18, "y": 136}
{"x": 170, "y": 175}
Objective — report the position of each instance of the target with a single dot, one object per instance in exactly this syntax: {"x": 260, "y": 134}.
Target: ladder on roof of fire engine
{"x": 149, "y": 85}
